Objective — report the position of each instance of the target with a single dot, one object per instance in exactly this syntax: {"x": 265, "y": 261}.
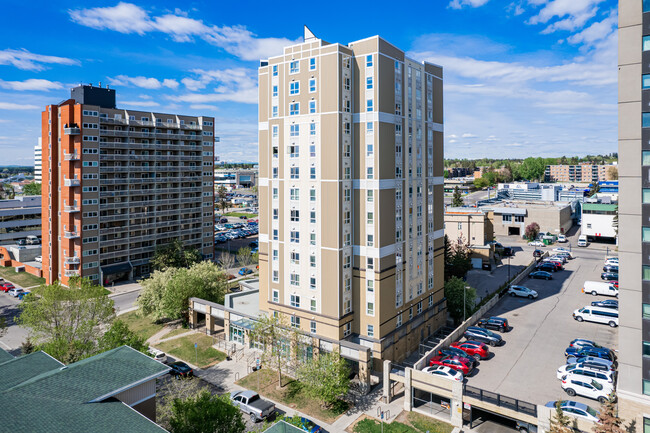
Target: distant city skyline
{"x": 524, "y": 78}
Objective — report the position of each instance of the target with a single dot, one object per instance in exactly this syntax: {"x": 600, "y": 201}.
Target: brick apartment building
{"x": 118, "y": 183}
{"x": 583, "y": 172}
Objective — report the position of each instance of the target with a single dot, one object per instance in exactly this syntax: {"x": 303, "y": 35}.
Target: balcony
{"x": 71, "y": 129}
{"x": 71, "y": 156}
{"x": 70, "y": 209}
{"x": 71, "y": 182}
{"x": 74, "y": 260}
{"x": 70, "y": 235}
{"x": 71, "y": 273}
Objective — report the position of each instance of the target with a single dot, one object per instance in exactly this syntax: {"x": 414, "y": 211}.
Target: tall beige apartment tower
{"x": 119, "y": 183}
{"x": 634, "y": 211}
{"x": 350, "y": 191}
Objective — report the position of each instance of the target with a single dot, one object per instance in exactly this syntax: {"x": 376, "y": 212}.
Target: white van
{"x": 600, "y": 288}
{"x": 582, "y": 241}
{"x": 597, "y": 314}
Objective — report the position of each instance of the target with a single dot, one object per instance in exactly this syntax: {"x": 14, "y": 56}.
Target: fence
{"x": 500, "y": 400}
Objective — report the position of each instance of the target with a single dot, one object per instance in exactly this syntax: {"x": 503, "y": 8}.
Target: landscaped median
{"x": 182, "y": 348}
{"x": 406, "y": 422}
{"x": 265, "y": 383}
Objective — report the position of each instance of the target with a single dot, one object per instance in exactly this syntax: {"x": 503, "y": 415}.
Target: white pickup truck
{"x": 251, "y": 403}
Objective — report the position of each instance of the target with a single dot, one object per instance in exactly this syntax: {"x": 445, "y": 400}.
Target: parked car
{"x": 561, "y": 250}
{"x": 496, "y": 323}
{"x": 452, "y": 351}
{"x": 609, "y": 276}
{"x": 475, "y": 349}
{"x": 583, "y": 241}
{"x": 252, "y": 404}
{"x": 597, "y": 315}
{"x": 462, "y": 364}
{"x": 475, "y": 333}
{"x": 546, "y": 266}
{"x": 21, "y": 242}
{"x": 576, "y": 409}
{"x": 223, "y": 220}
{"x": 564, "y": 254}
{"x": 600, "y": 288}
{"x": 5, "y": 287}
{"x": 543, "y": 275}
{"x": 558, "y": 258}
{"x": 557, "y": 264}
{"x": 158, "y": 355}
{"x": 606, "y": 303}
{"x": 536, "y": 244}
{"x": 180, "y": 369}
{"x": 593, "y": 362}
{"x": 538, "y": 253}
{"x": 603, "y": 377}
{"x": 586, "y": 388}
{"x": 22, "y": 294}
{"x": 579, "y": 343}
{"x": 596, "y": 352}
{"x": 309, "y": 426}
{"x": 562, "y": 239}
{"x": 611, "y": 261}
{"x": 610, "y": 268}
{"x": 245, "y": 271}
{"x": 522, "y": 291}
{"x": 32, "y": 240}
{"x": 445, "y": 372}
{"x": 39, "y": 259}
{"x": 16, "y": 291}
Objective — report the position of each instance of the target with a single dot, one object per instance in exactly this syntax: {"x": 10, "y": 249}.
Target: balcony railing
{"x": 71, "y": 182}
{"x": 70, "y": 235}
{"x": 70, "y": 209}
{"x": 74, "y": 260}
{"x": 71, "y": 156}
{"x": 71, "y": 130}
{"x": 71, "y": 273}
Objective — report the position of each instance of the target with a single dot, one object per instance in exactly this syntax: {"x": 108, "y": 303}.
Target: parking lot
{"x": 541, "y": 329}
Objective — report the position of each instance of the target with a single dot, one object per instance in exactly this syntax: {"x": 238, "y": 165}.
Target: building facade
{"x": 118, "y": 183}
{"x": 38, "y": 162}
{"x": 583, "y": 172}
{"x": 511, "y": 218}
{"x": 634, "y": 212}
{"x": 19, "y": 218}
{"x": 350, "y": 191}
{"x": 597, "y": 220}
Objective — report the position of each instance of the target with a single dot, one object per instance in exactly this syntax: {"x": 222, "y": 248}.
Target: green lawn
{"x": 175, "y": 332}
{"x": 239, "y": 214}
{"x": 413, "y": 423}
{"x": 265, "y": 383}
{"x": 142, "y": 326}
{"x": 183, "y": 348}
{"x": 22, "y": 279}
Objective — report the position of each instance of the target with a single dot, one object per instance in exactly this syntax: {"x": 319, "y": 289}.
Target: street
{"x": 471, "y": 198}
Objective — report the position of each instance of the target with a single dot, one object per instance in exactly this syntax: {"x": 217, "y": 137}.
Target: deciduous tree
{"x": 244, "y": 256}
{"x": 33, "y": 188}
{"x": 119, "y": 334}
{"x": 174, "y": 255}
{"x": 67, "y": 322}
{"x": 222, "y": 198}
{"x": 460, "y": 298}
{"x": 325, "y": 377}
{"x": 277, "y": 337}
{"x": 226, "y": 261}
{"x": 458, "y": 259}
{"x": 532, "y": 230}
{"x": 206, "y": 413}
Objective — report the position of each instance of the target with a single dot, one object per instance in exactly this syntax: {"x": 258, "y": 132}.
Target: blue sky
{"x": 522, "y": 78}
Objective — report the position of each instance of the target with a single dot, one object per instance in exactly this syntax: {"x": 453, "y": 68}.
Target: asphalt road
{"x": 525, "y": 367}
{"x": 125, "y": 301}
{"x": 15, "y": 335}
{"x": 472, "y": 198}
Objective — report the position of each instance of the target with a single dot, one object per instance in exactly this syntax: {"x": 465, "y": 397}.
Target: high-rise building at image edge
{"x": 117, "y": 183}
{"x": 634, "y": 212}
{"x": 351, "y": 193}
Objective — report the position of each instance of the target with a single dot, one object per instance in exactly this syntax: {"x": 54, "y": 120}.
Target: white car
{"x": 444, "y": 371}
{"x": 522, "y": 291}
{"x": 561, "y": 258}
{"x": 158, "y": 355}
{"x": 603, "y": 377}
{"x": 562, "y": 239}
{"x": 578, "y": 410}
{"x": 39, "y": 259}
{"x": 536, "y": 244}
{"x": 16, "y": 291}
{"x": 587, "y": 388}
{"x": 611, "y": 262}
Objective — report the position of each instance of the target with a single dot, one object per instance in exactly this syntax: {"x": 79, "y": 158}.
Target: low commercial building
{"x": 114, "y": 391}
{"x": 474, "y": 227}
{"x": 511, "y": 218}
{"x": 464, "y": 184}
{"x": 598, "y": 220}
{"x": 19, "y": 218}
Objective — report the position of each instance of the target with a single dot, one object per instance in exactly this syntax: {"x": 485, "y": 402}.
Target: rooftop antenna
{"x": 308, "y": 35}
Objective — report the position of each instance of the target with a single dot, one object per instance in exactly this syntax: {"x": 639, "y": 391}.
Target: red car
{"x": 463, "y": 365}
{"x": 473, "y": 348}
{"x": 614, "y": 283}
{"x": 6, "y": 287}
{"x": 558, "y": 264}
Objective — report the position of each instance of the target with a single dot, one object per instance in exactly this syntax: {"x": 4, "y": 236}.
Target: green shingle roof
{"x": 21, "y": 369}
{"x": 77, "y": 397}
{"x": 5, "y": 356}
{"x": 283, "y": 427}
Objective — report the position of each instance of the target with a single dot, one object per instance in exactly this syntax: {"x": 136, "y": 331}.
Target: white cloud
{"x": 596, "y": 32}
{"x": 14, "y": 106}
{"x": 31, "y": 84}
{"x": 129, "y": 18}
{"x": 577, "y": 13}
{"x": 23, "y": 59}
{"x": 468, "y": 135}
{"x": 233, "y": 84}
{"x": 142, "y": 82}
{"x": 204, "y": 107}
{"x": 459, "y": 4}
{"x": 140, "y": 103}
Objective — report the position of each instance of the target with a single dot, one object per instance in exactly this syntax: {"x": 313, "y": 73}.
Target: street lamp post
{"x": 508, "y": 269}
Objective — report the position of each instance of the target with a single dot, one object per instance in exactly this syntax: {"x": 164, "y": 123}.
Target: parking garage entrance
{"x": 431, "y": 404}
{"x": 514, "y": 231}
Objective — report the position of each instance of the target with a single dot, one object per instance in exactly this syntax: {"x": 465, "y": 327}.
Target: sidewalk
{"x": 122, "y": 288}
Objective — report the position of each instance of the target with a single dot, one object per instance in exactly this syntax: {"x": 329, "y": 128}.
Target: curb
{"x": 121, "y": 293}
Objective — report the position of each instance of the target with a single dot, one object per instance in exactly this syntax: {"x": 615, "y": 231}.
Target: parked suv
{"x": 496, "y": 323}
{"x": 610, "y": 268}
{"x": 586, "y": 388}
{"x": 603, "y": 377}
{"x": 596, "y": 352}
{"x": 33, "y": 240}
{"x": 475, "y": 349}
{"x": 479, "y": 334}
